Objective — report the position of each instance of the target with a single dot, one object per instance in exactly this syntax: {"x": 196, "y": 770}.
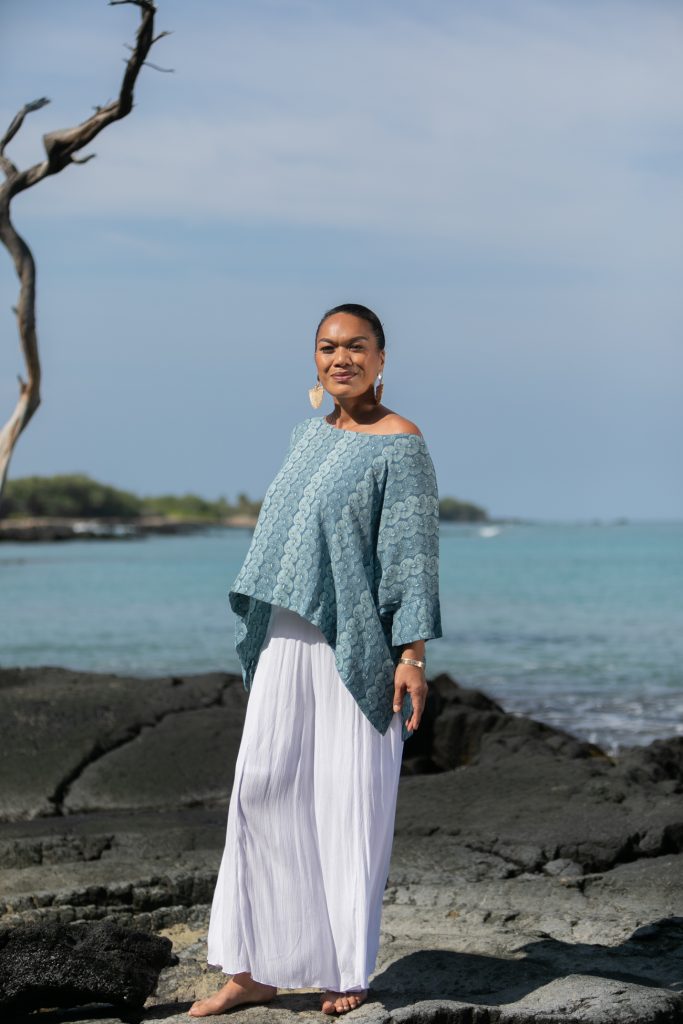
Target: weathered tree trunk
{"x": 60, "y": 147}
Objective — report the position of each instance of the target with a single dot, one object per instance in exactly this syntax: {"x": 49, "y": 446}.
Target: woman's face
{"x": 347, "y": 355}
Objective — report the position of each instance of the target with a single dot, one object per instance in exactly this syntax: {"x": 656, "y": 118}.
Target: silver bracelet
{"x": 412, "y": 661}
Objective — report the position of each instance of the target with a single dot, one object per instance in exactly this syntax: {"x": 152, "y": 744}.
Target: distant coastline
{"x": 47, "y": 528}
{"x": 57, "y": 528}
{"x": 77, "y": 507}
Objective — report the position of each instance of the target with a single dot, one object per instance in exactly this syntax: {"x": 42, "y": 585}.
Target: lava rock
{"x": 45, "y": 965}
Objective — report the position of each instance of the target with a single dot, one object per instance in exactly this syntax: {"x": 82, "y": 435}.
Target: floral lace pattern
{"x": 348, "y": 537}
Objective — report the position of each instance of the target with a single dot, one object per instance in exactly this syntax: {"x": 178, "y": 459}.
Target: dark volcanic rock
{"x": 47, "y": 965}
{"x": 186, "y": 759}
{"x": 531, "y": 804}
{"x": 456, "y": 720}
{"x": 86, "y": 741}
{"x": 465, "y": 717}
{"x": 660, "y": 761}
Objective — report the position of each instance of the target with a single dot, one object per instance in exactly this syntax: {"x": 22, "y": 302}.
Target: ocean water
{"x": 577, "y": 625}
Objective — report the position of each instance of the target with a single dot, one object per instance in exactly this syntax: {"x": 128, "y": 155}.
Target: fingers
{"x": 413, "y": 722}
{"x": 399, "y": 690}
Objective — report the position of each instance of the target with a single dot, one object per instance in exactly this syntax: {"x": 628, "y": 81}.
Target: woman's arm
{"x": 407, "y": 568}
{"x": 415, "y": 649}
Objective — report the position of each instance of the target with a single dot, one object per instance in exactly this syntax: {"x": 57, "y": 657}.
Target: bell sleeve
{"x": 408, "y": 547}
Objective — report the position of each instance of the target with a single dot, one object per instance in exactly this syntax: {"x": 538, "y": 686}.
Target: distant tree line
{"x": 76, "y": 495}
{"x": 454, "y": 511}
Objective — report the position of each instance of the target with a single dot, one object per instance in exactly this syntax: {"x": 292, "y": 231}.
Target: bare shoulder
{"x": 400, "y": 425}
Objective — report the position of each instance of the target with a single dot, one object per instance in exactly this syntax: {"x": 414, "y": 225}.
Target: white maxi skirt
{"x": 298, "y": 899}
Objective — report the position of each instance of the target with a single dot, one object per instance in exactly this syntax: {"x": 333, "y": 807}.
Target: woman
{"x": 334, "y": 602}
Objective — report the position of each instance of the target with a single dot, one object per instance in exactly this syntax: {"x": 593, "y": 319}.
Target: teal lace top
{"x": 348, "y": 537}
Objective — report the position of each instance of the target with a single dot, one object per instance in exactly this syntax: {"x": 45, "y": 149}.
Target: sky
{"x": 500, "y": 182}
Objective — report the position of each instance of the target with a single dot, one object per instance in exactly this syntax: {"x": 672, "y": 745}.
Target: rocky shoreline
{"x": 44, "y": 528}
{"x": 534, "y": 878}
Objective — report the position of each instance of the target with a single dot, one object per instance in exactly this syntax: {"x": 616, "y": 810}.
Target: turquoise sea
{"x": 579, "y": 625}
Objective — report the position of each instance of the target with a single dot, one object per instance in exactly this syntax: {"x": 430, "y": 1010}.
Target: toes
{"x": 327, "y": 1004}
{"x": 354, "y": 999}
{"x": 342, "y": 1002}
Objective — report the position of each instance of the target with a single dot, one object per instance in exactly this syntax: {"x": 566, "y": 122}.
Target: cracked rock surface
{"x": 533, "y": 878}
{"x": 70, "y": 736}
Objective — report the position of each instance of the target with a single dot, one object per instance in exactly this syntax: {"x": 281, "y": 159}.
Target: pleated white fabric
{"x": 298, "y": 899}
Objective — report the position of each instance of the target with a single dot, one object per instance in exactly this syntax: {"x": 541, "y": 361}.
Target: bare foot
{"x": 240, "y": 989}
{"x": 341, "y": 1002}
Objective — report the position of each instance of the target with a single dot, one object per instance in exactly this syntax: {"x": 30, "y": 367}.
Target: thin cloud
{"x": 546, "y": 133}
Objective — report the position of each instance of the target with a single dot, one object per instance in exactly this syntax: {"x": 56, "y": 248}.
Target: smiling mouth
{"x": 343, "y": 376}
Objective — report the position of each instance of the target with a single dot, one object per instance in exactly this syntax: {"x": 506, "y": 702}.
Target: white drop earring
{"x": 316, "y": 394}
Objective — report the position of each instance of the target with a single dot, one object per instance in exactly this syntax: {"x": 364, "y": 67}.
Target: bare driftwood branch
{"x": 61, "y": 148}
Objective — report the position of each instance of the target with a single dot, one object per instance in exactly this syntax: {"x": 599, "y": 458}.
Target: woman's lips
{"x": 342, "y": 376}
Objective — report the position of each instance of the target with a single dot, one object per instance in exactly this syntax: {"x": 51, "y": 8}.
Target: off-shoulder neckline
{"x": 365, "y": 433}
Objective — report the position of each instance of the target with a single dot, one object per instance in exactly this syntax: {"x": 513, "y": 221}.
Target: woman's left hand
{"x": 410, "y": 679}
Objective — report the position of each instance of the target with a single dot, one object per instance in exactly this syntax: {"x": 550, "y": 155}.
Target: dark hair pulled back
{"x": 355, "y": 309}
